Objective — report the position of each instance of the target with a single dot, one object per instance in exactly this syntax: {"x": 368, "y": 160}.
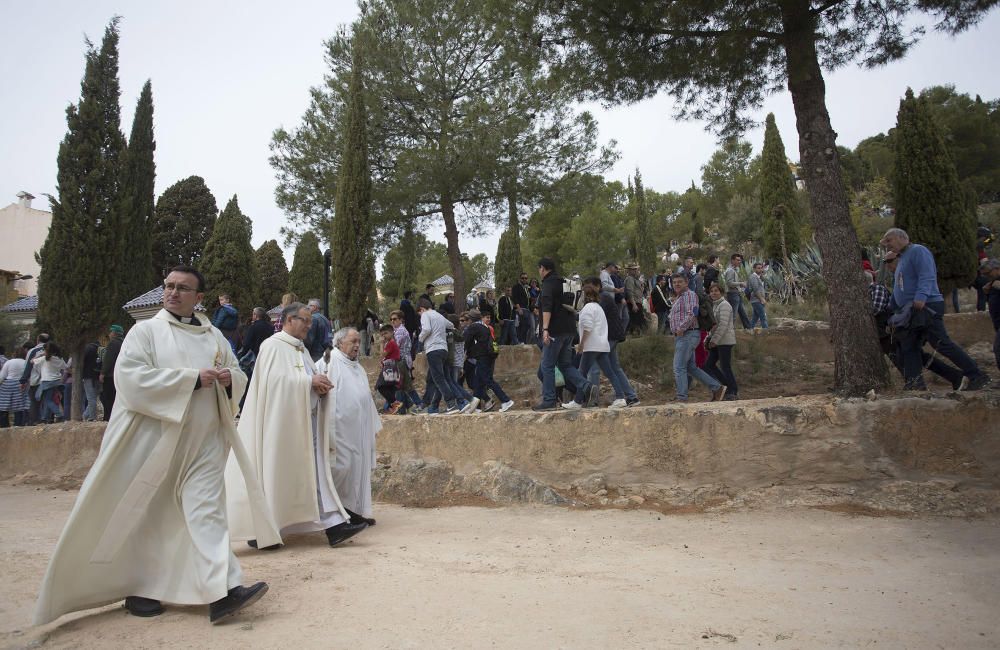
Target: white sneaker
{"x": 506, "y": 406}
{"x": 618, "y": 404}
{"x": 572, "y": 406}
{"x": 471, "y": 406}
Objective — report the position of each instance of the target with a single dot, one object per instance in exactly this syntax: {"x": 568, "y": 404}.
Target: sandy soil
{"x": 537, "y": 577}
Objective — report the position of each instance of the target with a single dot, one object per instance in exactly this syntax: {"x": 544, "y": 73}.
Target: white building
{"x": 23, "y": 230}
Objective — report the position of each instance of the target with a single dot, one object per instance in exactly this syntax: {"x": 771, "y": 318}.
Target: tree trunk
{"x": 858, "y": 362}
{"x": 454, "y": 254}
{"x": 77, "y": 387}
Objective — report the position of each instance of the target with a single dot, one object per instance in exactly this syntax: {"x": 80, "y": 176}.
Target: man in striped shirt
{"x": 684, "y": 326}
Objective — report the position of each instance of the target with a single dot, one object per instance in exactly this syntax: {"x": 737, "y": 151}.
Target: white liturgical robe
{"x": 353, "y": 421}
{"x": 283, "y": 429}
{"x": 150, "y": 519}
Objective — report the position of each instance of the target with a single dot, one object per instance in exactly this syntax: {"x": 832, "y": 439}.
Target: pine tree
{"x": 305, "y": 279}
{"x": 77, "y": 285}
{"x": 930, "y": 204}
{"x": 778, "y": 202}
{"x": 645, "y": 247}
{"x": 272, "y": 271}
{"x": 352, "y": 260}
{"x": 228, "y": 263}
{"x": 137, "y": 194}
{"x": 184, "y": 217}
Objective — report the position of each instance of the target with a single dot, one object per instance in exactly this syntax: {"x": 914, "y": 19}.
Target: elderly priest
{"x": 283, "y": 426}
{"x": 353, "y": 421}
{"x": 150, "y": 524}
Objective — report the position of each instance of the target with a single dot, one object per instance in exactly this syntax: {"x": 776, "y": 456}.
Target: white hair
{"x": 314, "y": 302}
{"x": 896, "y": 232}
{"x": 341, "y": 334}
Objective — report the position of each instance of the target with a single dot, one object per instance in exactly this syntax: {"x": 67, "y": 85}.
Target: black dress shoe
{"x": 238, "y": 598}
{"x": 358, "y": 519}
{"x": 273, "y": 547}
{"x": 145, "y": 607}
{"x": 340, "y": 532}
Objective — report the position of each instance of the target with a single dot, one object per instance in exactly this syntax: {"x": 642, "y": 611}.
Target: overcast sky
{"x": 226, "y": 74}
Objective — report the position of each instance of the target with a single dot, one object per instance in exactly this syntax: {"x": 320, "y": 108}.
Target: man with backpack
{"x": 481, "y": 345}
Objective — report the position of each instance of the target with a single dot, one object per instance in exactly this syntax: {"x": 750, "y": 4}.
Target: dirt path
{"x": 536, "y": 577}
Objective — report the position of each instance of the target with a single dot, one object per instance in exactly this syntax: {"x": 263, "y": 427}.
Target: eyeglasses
{"x": 179, "y": 288}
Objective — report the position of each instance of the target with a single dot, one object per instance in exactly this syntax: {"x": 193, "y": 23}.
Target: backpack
{"x": 706, "y": 313}
{"x": 748, "y": 291}
{"x": 494, "y": 346}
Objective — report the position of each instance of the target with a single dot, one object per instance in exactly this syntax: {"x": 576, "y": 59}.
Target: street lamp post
{"x": 327, "y": 262}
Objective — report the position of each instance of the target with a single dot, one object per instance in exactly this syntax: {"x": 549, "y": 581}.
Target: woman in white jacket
{"x": 594, "y": 347}
{"x": 721, "y": 341}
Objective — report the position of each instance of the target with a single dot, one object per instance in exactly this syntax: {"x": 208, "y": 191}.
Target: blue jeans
{"x": 508, "y": 333}
{"x": 436, "y": 362}
{"x": 49, "y": 406}
{"x": 432, "y": 396}
{"x": 592, "y": 361}
{"x": 722, "y": 355}
{"x": 90, "y": 390}
{"x": 616, "y": 371}
{"x": 485, "y": 381}
{"x": 759, "y": 315}
{"x": 736, "y": 302}
{"x": 684, "y": 366}
{"x": 559, "y": 354}
{"x": 938, "y": 338}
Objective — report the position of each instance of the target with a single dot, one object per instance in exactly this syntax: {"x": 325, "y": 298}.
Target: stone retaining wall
{"x": 913, "y": 453}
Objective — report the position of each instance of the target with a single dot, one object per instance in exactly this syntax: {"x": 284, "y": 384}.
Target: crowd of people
{"x": 36, "y": 381}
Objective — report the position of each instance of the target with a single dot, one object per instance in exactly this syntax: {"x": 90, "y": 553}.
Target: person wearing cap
{"x": 107, "y": 377}
{"x": 634, "y": 298}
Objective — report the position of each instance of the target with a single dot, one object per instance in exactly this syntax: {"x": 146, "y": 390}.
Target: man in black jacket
{"x": 557, "y": 332}
{"x": 107, "y": 376}
{"x": 259, "y": 330}
{"x": 506, "y": 312}
{"x": 521, "y": 295}
{"x": 91, "y": 380}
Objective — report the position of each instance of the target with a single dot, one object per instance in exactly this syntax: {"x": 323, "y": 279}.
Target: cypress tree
{"x": 507, "y": 267}
{"x": 777, "y": 189}
{"x": 930, "y": 204}
{"x": 645, "y": 248}
{"x": 305, "y": 279}
{"x": 351, "y": 262}
{"x": 697, "y": 228}
{"x": 272, "y": 272}
{"x": 137, "y": 193}
{"x": 184, "y": 217}
{"x": 229, "y": 264}
{"x": 77, "y": 285}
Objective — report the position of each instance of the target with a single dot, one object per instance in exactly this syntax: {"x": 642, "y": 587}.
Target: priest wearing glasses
{"x": 149, "y": 524}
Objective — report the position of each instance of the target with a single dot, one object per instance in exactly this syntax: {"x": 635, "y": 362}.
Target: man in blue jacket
{"x": 915, "y": 285}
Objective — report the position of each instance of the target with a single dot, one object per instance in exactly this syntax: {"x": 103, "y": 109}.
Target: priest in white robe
{"x": 149, "y": 524}
{"x": 283, "y": 427}
{"x": 353, "y": 422}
